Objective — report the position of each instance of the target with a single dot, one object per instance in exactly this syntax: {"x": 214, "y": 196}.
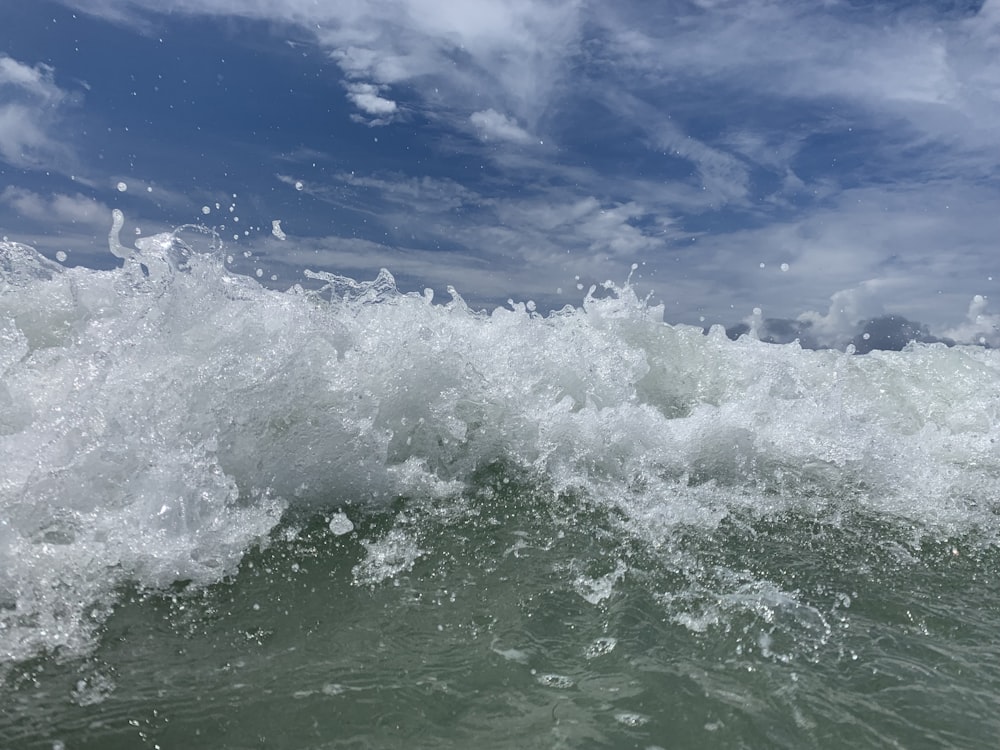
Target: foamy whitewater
{"x": 158, "y": 421}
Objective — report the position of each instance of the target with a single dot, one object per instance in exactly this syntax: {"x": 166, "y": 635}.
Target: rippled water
{"x": 515, "y": 618}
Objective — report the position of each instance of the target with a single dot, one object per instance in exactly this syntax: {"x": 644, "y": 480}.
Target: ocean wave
{"x": 159, "y": 419}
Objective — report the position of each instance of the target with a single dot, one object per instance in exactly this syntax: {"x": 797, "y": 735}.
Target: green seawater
{"x": 511, "y": 617}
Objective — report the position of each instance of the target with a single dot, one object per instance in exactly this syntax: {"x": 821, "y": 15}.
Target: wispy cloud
{"x": 506, "y": 54}
{"x": 59, "y": 208}
{"x": 496, "y": 126}
{"x": 714, "y": 140}
{"x": 934, "y": 76}
{"x": 500, "y": 65}
{"x": 36, "y": 81}
{"x": 30, "y": 106}
{"x": 722, "y": 174}
{"x": 533, "y": 245}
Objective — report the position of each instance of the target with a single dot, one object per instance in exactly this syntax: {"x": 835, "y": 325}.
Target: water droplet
{"x": 122, "y": 187}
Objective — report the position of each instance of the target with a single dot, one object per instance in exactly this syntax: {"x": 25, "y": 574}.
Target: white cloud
{"x": 723, "y": 176}
{"x": 492, "y": 124}
{"x": 506, "y": 54}
{"x": 979, "y": 327}
{"x": 865, "y": 253}
{"x": 58, "y": 208}
{"x": 37, "y": 81}
{"x": 23, "y": 142}
{"x": 916, "y": 251}
{"x": 888, "y": 247}
{"x": 919, "y": 74}
{"x": 489, "y": 247}
{"x": 29, "y": 110}
{"x": 607, "y": 233}
{"x": 510, "y": 53}
{"x": 418, "y": 195}
{"x": 54, "y": 223}
{"x": 539, "y": 228}
{"x": 849, "y": 308}
{"x": 937, "y": 76}
{"x": 369, "y": 100}
{"x": 700, "y": 83}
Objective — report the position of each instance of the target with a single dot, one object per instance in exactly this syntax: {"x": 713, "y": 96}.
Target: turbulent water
{"x": 345, "y": 516}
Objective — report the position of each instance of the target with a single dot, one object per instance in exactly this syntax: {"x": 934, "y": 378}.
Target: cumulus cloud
{"x": 493, "y": 125}
{"x": 848, "y": 311}
{"x": 885, "y": 332}
{"x": 367, "y": 97}
{"x": 980, "y": 325}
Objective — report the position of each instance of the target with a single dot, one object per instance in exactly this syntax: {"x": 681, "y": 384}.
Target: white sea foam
{"x": 156, "y": 420}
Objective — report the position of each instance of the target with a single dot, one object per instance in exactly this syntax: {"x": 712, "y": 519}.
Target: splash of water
{"x": 157, "y": 420}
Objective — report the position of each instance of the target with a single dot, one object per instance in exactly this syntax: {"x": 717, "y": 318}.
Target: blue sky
{"x": 826, "y": 162}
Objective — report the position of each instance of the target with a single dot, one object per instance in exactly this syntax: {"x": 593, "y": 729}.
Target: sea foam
{"x": 157, "y": 420}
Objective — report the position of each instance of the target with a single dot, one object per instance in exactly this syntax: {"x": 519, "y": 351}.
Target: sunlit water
{"x": 342, "y": 516}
